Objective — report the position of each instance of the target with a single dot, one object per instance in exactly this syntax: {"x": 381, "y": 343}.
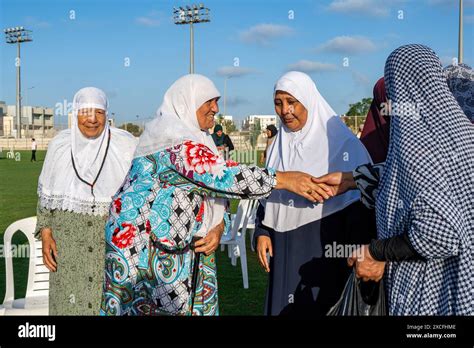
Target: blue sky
{"x": 264, "y": 38}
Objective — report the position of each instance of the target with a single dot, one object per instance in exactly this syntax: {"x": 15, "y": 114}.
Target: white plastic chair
{"x": 251, "y": 222}
{"x": 37, "y": 290}
{"x": 239, "y": 215}
{"x": 236, "y": 240}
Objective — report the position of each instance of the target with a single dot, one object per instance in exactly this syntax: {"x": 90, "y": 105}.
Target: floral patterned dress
{"x": 153, "y": 218}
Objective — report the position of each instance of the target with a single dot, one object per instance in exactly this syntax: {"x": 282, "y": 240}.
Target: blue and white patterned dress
{"x": 153, "y": 218}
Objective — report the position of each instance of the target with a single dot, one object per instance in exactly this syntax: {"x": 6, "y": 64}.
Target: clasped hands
{"x": 315, "y": 189}
{"x": 320, "y": 189}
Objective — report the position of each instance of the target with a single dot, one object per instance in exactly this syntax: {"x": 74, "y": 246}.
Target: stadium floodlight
{"x": 191, "y": 15}
{"x": 18, "y": 35}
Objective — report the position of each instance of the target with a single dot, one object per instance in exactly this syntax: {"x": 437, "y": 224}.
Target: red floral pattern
{"x": 166, "y": 242}
{"x": 123, "y": 238}
{"x": 199, "y": 157}
{"x": 200, "y": 213}
{"x": 118, "y": 205}
{"x": 230, "y": 163}
{"x": 148, "y": 227}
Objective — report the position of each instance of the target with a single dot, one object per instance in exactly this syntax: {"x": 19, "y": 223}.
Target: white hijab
{"x": 175, "y": 122}
{"x": 322, "y": 146}
{"x": 60, "y": 188}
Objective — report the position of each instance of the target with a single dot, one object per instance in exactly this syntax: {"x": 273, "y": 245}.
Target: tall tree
{"x": 229, "y": 126}
{"x": 360, "y": 108}
{"x": 132, "y": 128}
{"x": 255, "y": 131}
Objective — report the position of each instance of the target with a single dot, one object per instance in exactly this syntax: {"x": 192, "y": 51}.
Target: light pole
{"x": 460, "y": 43}
{"x": 225, "y": 94}
{"x": 17, "y": 35}
{"x": 26, "y": 94}
{"x": 190, "y": 15}
{"x": 32, "y": 118}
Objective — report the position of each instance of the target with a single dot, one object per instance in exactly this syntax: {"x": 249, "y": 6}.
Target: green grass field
{"x": 18, "y": 181}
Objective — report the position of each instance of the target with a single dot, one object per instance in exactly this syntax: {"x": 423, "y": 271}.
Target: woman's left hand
{"x": 210, "y": 243}
{"x": 365, "y": 265}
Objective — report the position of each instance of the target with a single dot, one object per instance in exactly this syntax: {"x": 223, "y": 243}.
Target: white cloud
{"x": 309, "y": 67}
{"x": 360, "y": 79}
{"x": 448, "y": 60}
{"x": 348, "y": 45}
{"x": 374, "y": 8}
{"x": 234, "y": 71}
{"x": 148, "y": 22}
{"x": 153, "y": 19}
{"x": 36, "y": 23}
{"x": 111, "y": 93}
{"x": 263, "y": 34}
{"x": 235, "y": 101}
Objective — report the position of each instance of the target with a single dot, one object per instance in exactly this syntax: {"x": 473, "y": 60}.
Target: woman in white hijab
{"x": 84, "y": 167}
{"x": 169, "y": 214}
{"x": 307, "y": 269}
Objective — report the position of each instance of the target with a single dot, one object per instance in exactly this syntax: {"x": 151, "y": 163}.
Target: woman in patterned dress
{"x": 176, "y": 190}
{"x": 71, "y": 213}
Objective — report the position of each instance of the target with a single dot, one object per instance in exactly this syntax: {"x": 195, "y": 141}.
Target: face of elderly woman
{"x": 292, "y": 113}
{"x": 91, "y": 122}
{"x": 206, "y": 112}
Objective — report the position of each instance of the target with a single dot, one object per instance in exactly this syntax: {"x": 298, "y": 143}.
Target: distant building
{"x": 228, "y": 118}
{"x": 7, "y": 127}
{"x": 6, "y": 122}
{"x": 35, "y": 120}
{"x": 265, "y": 120}
{"x": 3, "y": 108}
{"x": 69, "y": 120}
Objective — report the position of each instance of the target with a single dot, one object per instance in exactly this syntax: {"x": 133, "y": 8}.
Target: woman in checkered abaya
{"x": 424, "y": 194}
{"x": 427, "y": 188}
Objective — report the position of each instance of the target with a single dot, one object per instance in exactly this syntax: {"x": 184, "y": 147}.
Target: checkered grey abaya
{"x": 427, "y": 188}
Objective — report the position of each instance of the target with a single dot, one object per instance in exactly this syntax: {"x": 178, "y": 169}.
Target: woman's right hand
{"x": 338, "y": 182}
{"x": 264, "y": 245}
{"x": 49, "y": 249}
{"x": 304, "y": 185}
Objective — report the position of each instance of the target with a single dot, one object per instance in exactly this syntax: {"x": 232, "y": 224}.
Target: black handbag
{"x": 360, "y": 298}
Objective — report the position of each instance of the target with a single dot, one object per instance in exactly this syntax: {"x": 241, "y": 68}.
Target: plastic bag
{"x": 360, "y": 298}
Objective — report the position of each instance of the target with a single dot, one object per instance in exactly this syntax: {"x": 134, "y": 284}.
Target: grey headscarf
{"x": 461, "y": 83}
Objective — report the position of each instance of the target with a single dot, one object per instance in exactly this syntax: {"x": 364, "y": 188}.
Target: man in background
{"x": 33, "y": 150}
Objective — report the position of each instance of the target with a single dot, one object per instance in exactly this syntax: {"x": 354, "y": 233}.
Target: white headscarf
{"x": 176, "y": 121}
{"x": 60, "y": 188}
{"x": 322, "y": 146}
